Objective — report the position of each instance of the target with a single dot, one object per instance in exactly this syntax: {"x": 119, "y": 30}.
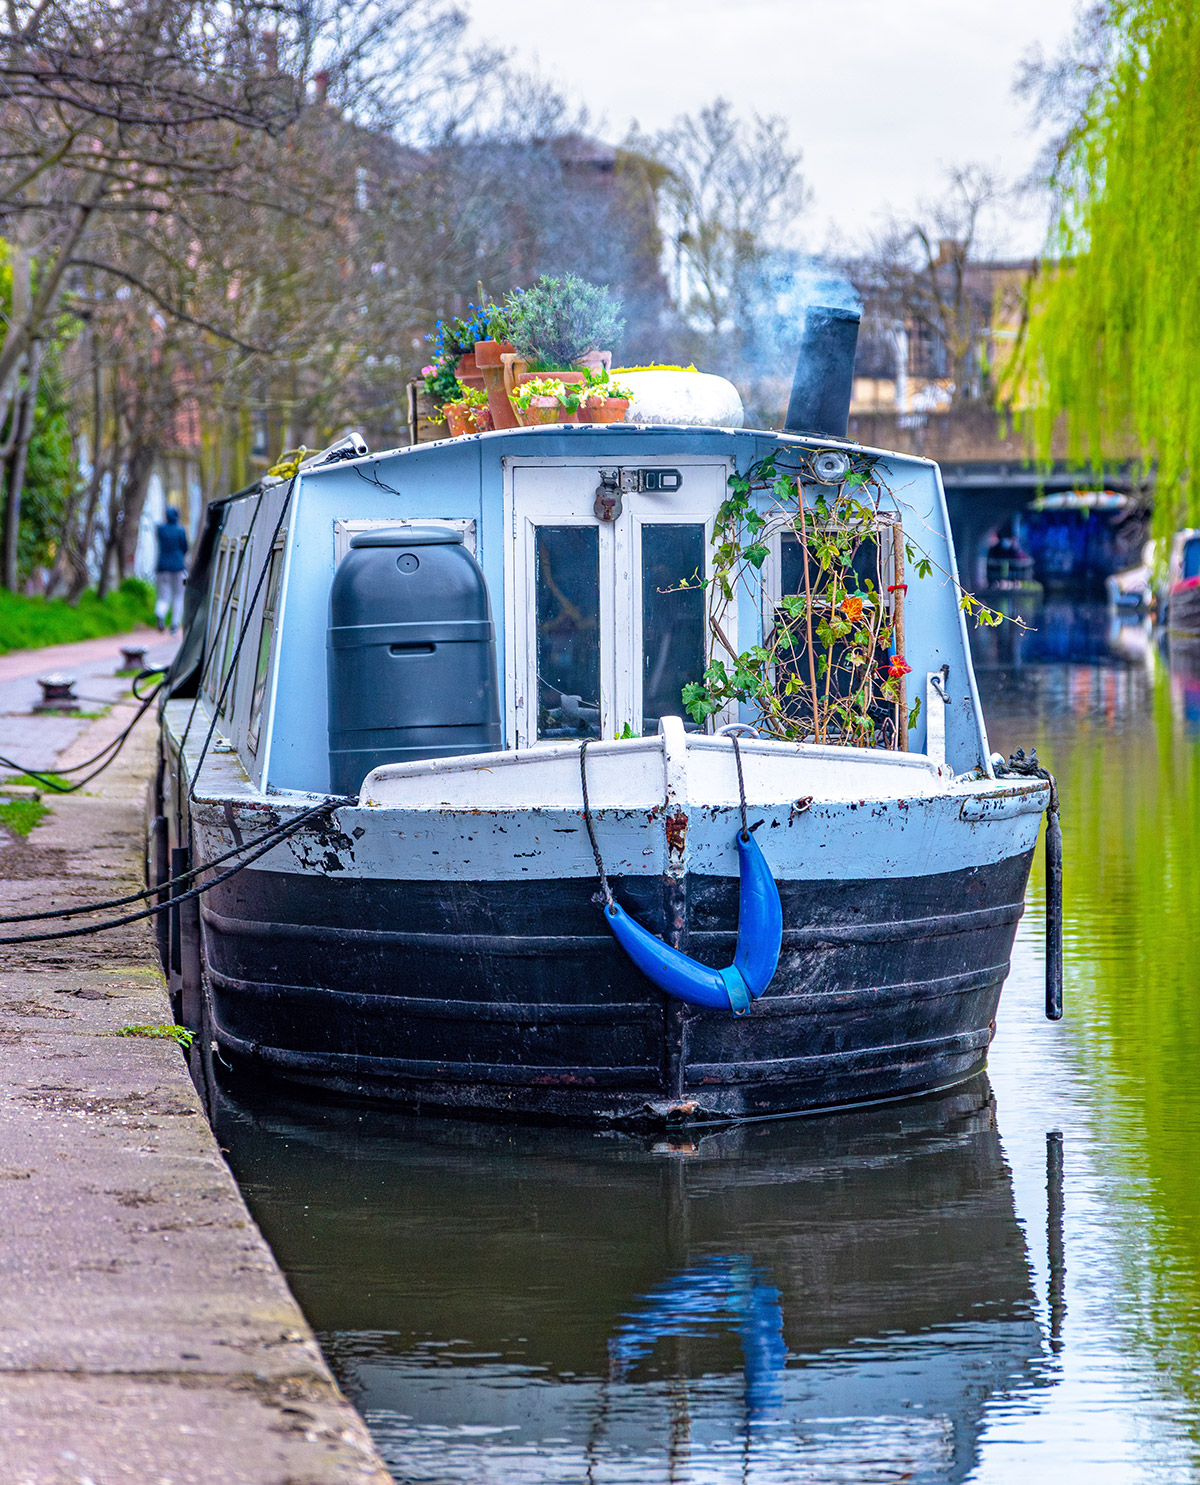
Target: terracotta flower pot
{"x": 541, "y": 410}
{"x": 488, "y": 352}
{"x": 482, "y": 419}
{"x": 608, "y": 409}
{"x": 503, "y": 414}
{"x": 458, "y": 419}
{"x": 513, "y": 367}
{"x": 468, "y": 373}
{"x": 595, "y": 360}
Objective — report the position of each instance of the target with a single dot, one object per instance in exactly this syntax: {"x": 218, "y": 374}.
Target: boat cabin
{"x": 593, "y": 542}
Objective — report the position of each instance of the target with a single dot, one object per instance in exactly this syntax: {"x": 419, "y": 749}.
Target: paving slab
{"x": 32, "y": 739}
{"x": 146, "y": 1331}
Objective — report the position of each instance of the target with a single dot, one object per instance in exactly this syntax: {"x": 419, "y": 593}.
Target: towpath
{"x": 147, "y": 1334}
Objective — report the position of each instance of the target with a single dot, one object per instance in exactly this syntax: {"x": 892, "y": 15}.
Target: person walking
{"x": 169, "y": 570}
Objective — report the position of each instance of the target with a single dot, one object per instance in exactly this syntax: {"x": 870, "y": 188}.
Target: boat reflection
{"x": 1057, "y": 631}
{"x": 830, "y": 1299}
{"x": 1184, "y": 663}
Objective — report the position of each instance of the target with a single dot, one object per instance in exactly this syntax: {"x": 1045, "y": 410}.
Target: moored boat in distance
{"x": 403, "y": 670}
{"x": 1183, "y": 584}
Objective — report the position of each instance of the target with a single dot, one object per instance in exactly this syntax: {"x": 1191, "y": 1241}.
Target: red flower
{"x": 898, "y": 668}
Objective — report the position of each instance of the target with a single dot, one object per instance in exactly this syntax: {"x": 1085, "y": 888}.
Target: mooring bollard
{"x": 132, "y": 658}
{"x": 57, "y": 694}
{"x": 1031, "y": 768}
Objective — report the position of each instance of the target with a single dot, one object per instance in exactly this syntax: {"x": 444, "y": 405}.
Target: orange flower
{"x": 852, "y": 608}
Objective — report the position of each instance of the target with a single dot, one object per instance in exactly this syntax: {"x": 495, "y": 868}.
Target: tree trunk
{"x": 133, "y": 501}
{"x": 108, "y": 562}
{"x": 18, "y": 460}
{"x": 79, "y": 553}
{"x": 23, "y": 327}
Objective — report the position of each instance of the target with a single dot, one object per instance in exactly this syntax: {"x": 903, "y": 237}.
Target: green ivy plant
{"x": 827, "y": 669}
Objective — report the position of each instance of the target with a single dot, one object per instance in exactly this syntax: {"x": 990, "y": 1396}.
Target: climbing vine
{"x": 830, "y": 667}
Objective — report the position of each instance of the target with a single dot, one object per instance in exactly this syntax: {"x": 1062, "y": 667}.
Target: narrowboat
{"x": 1183, "y": 584}
{"x": 463, "y": 846}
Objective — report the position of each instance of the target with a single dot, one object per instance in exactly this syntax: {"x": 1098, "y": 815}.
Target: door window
{"x": 672, "y": 571}
{"x": 567, "y": 623}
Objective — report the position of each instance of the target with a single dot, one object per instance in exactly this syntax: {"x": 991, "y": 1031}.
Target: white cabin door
{"x": 605, "y": 617}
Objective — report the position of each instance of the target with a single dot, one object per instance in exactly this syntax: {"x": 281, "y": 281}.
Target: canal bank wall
{"x": 146, "y": 1332}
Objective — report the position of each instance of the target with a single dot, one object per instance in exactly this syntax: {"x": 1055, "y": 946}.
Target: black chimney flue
{"x": 824, "y": 380}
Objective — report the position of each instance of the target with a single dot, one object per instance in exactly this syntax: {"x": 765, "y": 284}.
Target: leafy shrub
{"x": 559, "y": 320}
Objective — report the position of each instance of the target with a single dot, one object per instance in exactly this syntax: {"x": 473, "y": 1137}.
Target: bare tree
{"x": 928, "y": 287}
{"x": 128, "y": 133}
{"x": 729, "y": 192}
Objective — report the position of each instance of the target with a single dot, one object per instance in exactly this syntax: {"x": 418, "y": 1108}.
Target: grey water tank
{"x": 412, "y": 654}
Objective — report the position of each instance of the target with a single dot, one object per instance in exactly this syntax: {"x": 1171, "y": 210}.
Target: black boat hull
{"x": 885, "y": 989}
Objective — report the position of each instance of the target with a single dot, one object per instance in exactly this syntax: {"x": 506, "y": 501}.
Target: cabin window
{"x": 1191, "y": 560}
{"x": 229, "y": 644}
{"x": 673, "y": 567}
{"x": 567, "y": 618}
{"x": 216, "y": 612}
{"x": 344, "y": 530}
{"x": 265, "y": 636}
{"x": 840, "y": 671}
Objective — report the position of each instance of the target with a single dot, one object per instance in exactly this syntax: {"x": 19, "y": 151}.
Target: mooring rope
{"x": 264, "y": 843}
{"x": 591, "y": 829}
{"x": 587, "y": 820}
{"x": 48, "y": 778}
{"x": 737, "y": 753}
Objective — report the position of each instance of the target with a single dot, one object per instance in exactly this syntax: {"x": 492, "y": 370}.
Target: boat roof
{"x": 557, "y": 439}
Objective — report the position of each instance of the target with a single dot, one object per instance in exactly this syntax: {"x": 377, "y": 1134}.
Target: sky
{"x": 880, "y": 97}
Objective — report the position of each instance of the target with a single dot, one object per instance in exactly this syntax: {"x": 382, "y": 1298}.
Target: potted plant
{"x": 559, "y": 323}
{"x": 468, "y": 412}
{"x": 489, "y": 354}
{"x": 454, "y": 342}
{"x": 443, "y": 387}
{"x": 494, "y": 341}
{"x": 603, "y": 400}
{"x": 541, "y": 400}
{"x": 457, "y": 419}
{"x": 479, "y": 414}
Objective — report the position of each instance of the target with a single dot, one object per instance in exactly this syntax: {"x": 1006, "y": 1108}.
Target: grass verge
{"x": 29, "y": 623}
{"x": 164, "y": 1029}
{"x": 20, "y": 815}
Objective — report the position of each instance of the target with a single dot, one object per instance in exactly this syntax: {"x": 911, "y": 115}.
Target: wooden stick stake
{"x": 899, "y": 590}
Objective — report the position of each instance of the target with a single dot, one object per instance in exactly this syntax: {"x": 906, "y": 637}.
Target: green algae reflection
{"x": 1125, "y": 746}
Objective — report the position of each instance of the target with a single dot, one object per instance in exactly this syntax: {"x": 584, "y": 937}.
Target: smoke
{"x": 777, "y": 298}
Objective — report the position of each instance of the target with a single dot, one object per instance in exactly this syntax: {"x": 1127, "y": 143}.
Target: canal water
{"x": 998, "y": 1284}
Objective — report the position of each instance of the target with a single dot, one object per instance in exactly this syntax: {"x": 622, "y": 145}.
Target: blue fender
{"x": 760, "y": 937}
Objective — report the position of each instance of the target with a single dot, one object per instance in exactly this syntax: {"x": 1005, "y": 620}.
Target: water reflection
{"x": 1123, "y": 744}
{"x": 1058, "y": 632}
{"x": 815, "y": 1300}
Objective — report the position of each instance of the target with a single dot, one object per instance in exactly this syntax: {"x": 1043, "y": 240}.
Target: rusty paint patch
{"x": 676, "y": 826}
